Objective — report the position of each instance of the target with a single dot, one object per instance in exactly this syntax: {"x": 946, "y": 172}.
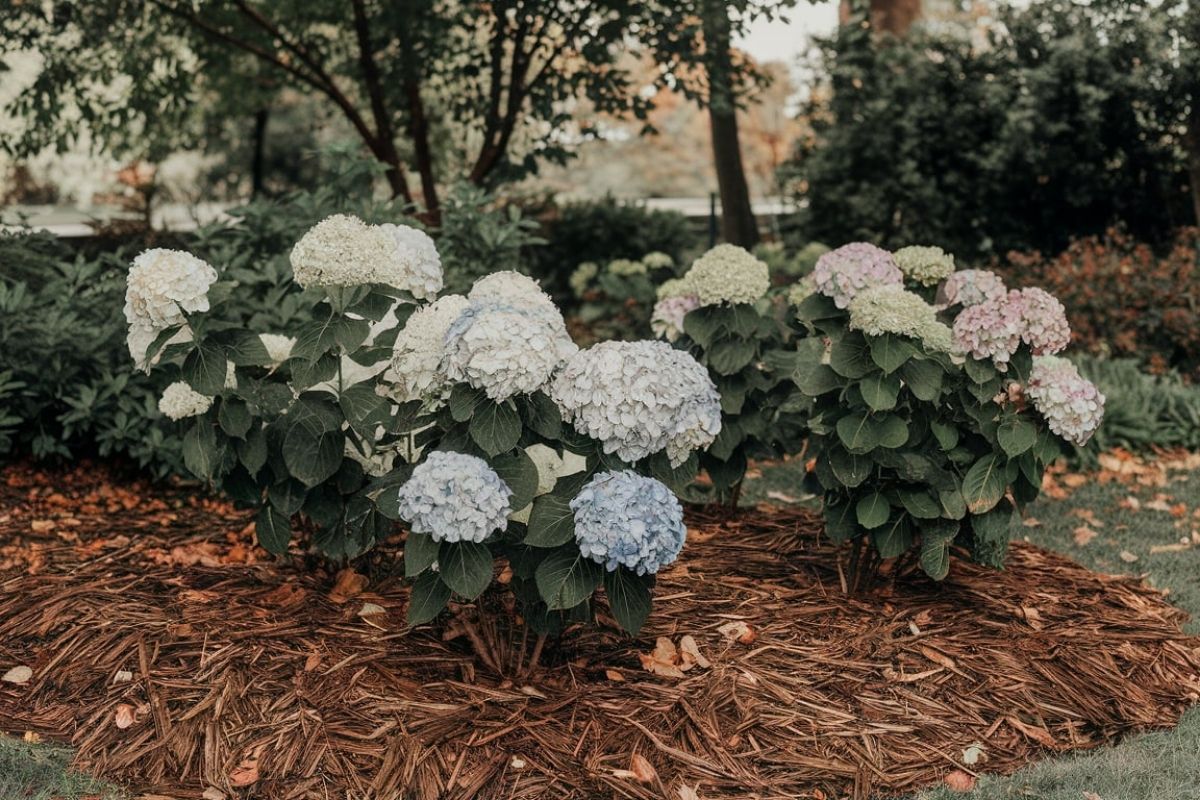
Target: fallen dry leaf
{"x": 213, "y": 793}
{"x": 1178, "y": 547}
{"x": 18, "y": 675}
{"x": 374, "y": 615}
{"x": 245, "y": 773}
{"x": 614, "y": 675}
{"x": 41, "y": 525}
{"x": 125, "y": 716}
{"x": 1084, "y": 534}
{"x": 31, "y": 737}
{"x": 959, "y": 781}
{"x": 348, "y": 584}
{"x": 123, "y": 676}
{"x": 738, "y": 631}
{"x": 688, "y": 793}
{"x": 643, "y": 771}
{"x": 780, "y": 496}
{"x": 663, "y": 661}
{"x": 1091, "y": 796}
{"x": 1032, "y": 522}
{"x": 1131, "y": 503}
{"x": 690, "y": 655}
{"x": 1128, "y": 557}
{"x": 1032, "y": 616}
{"x": 974, "y": 754}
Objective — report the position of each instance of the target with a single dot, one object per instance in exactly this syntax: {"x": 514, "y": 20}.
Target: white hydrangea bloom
{"x": 675, "y": 287}
{"x": 657, "y": 260}
{"x": 926, "y": 266}
{"x": 666, "y": 320}
{"x": 728, "y": 274}
{"x": 506, "y": 350}
{"x": 514, "y": 289}
{"x": 623, "y": 519}
{"x": 880, "y": 310}
{"x": 415, "y": 372}
{"x": 455, "y": 497}
{"x": 581, "y": 279}
{"x": 638, "y": 398}
{"x": 626, "y": 267}
{"x": 279, "y": 347}
{"x": 801, "y": 290}
{"x": 416, "y": 267}
{"x": 165, "y": 285}
{"x": 139, "y": 339}
{"x": 180, "y": 401}
{"x": 342, "y": 250}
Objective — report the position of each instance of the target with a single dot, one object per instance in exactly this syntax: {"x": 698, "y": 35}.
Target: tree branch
{"x": 383, "y": 121}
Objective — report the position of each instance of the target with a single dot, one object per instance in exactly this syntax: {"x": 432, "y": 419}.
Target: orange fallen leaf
{"x": 663, "y": 661}
{"x": 312, "y": 662}
{"x": 690, "y": 655}
{"x": 348, "y": 584}
{"x": 1083, "y": 535}
{"x": 738, "y": 631}
{"x": 643, "y": 771}
{"x": 41, "y": 525}
{"x": 1128, "y": 557}
{"x": 18, "y": 675}
{"x": 688, "y": 793}
{"x": 959, "y": 781}
{"x": 125, "y": 716}
{"x": 245, "y": 773}
{"x": 614, "y": 675}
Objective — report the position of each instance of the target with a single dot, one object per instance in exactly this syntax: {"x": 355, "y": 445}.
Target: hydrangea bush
{"x": 615, "y": 300}
{"x": 446, "y": 413}
{"x": 721, "y": 314}
{"x": 932, "y": 425}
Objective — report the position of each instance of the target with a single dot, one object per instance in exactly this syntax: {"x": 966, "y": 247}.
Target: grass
{"x": 1163, "y": 765}
{"x": 41, "y": 772}
{"x": 1156, "y": 766}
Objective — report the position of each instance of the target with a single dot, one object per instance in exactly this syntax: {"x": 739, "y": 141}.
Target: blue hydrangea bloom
{"x": 455, "y": 497}
{"x": 626, "y": 519}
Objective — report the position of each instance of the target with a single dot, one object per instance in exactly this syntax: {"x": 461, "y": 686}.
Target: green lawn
{"x": 1156, "y": 766}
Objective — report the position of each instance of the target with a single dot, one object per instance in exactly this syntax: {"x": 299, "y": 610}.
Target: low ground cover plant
{"x": 473, "y": 418}
{"x": 932, "y": 424}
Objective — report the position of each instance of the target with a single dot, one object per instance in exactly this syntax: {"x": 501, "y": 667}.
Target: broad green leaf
{"x": 1016, "y": 435}
{"x": 945, "y": 433}
{"x": 894, "y": 538}
{"x": 234, "y": 417}
{"x": 840, "y": 522}
{"x": 464, "y": 399}
{"x": 246, "y": 349}
{"x": 984, "y": 484}
{"x": 923, "y": 378}
{"x": 817, "y": 307}
{"x": 551, "y": 522}
{"x": 495, "y": 427}
{"x": 997, "y": 525}
{"x": 920, "y": 504}
{"x": 429, "y": 596}
{"x": 857, "y": 433}
{"x": 312, "y": 459}
{"x": 519, "y": 473}
{"x": 872, "y": 510}
{"x": 287, "y": 496}
{"x": 542, "y": 415}
{"x": 364, "y": 409}
{"x": 567, "y": 577}
{"x": 420, "y": 552}
{"x": 953, "y": 504}
{"x": 315, "y": 339}
{"x": 466, "y": 567}
{"x": 891, "y": 431}
{"x": 628, "y": 598}
{"x": 817, "y": 380}
{"x": 880, "y": 391}
{"x": 274, "y": 530}
{"x": 204, "y": 369}
{"x": 935, "y": 557}
{"x": 890, "y": 352}
{"x": 729, "y": 356}
{"x": 850, "y": 357}
{"x": 200, "y": 451}
{"x": 849, "y": 468}
{"x": 253, "y": 450}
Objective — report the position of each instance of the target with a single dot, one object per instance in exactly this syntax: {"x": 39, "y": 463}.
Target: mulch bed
{"x": 173, "y": 677}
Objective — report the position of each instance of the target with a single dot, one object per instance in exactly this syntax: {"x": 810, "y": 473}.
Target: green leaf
{"x": 701, "y": 325}
{"x": 935, "y": 549}
{"x": 518, "y": 471}
{"x": 274, "y": 530}
{"x": 253, "y": 450}
{"x": 628, "y": 598}
{"x": 551, "y": 522}
{"x": 953, "y": 504}
{"x": 731, "y": 355}
{"x": 818, "y": 380}
{"x": 234, "y": 417}
{"x": 817, "y": 307}
{"x": 850, "y": 357}
{"x": 429, "y": 596}
{"x": 945, "y": 433}
{"x": 287, "y": 496}
{"x": 312, "y": 459}
{"x": 315, "y": 339}
{"x": 200, "y": 453}
{"x": 923, "y": 378}
{"x": 984, "y": 484}
{"x": 350, "y": 333}
{"x": 247, "y": 350}
{"x": 466, "y": 567}
{"x": 996, "y": 526}
{"x": 566, "y": 578}
{"x": 893, "y": 539}
{"x": 364, "y": 409}
{"x": 495, "y": 427}
{"x": 857, "y": 433}
{"x": 880, "y": 391}
{"x": 840, "y": 523}
{"x": 204, "y": 369}
{"x": 980, "y": 371}
{"x": 872, "y": 510}
{"x": 891, "y": 431}
{"x": 463, "y": 401}
{"x": 920, "y": 504}
{"x": 890, "y": 352}
{"x": 849, "y": 468}
{"x": 420, "y": 552}
{"x": 1016, "y": 435}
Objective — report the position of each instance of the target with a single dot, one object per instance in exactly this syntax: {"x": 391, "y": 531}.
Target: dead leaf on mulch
{"x": 738, "y": 631}
{"x": 959, "y": 781}
{"x": 245, "y": 773}
{"x": 18, "y": 675}
{"x": 1083, "y": 534}
{"x": 349, "y": 584}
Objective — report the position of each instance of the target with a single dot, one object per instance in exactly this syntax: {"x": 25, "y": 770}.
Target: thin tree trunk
{"x": 738, "y": 225}
{"x": 257, "y": 165}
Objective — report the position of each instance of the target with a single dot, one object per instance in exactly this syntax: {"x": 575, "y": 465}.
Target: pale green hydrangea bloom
{"x": 728, "y": 274}
{"x": 925, "y": 266}
{"x": 882, "y": 310}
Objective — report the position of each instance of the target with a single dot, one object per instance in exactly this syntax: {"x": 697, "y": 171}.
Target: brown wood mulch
{"x": 176, "y": 677}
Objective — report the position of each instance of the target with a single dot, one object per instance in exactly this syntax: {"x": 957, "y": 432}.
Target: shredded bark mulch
{"x": 179, "y": 659}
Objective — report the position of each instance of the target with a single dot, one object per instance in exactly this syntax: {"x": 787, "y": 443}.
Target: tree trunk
{"x": 1192, "y": 145}
{"x": 738, "y": 225}
{"x": 257, "y": 160}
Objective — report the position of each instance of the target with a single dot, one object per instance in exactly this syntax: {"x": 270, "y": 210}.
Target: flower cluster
{"x": 623, "y": 519}
{"x": 455, "y": 497}
{"x": 180, "y": 401}
{"x": 727, "y": 274}
{"x": 1044, "y": 318}
{"x": 801, "y": 290}
{"x": 925, "y": 266}
{"x": 416, "y": 368}
{"x": 163, "y": 286}
{"x": 582, "y": 277}
{"x": 970, "y": 287}
{"x": 657, "y": 260}
{"x": 673, "y": 287}
{"x": 995, "y": 328}
{"x": 505, "y": 349}
{"x": 513, "y": 289}
{"x": 638, "y": 398}
{"x": 626, "y": 267}
{"x": 842, "y": 273}
{"x": 666, "y": 320}
{"x": 1070, "y": 403}
{"x": 342, "y": 250}
{"x": 892, "y": 309}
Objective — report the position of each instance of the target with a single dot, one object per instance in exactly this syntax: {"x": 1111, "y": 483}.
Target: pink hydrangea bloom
{"x": 667, "y": 318}
{"x": 846, "y": 271}
{"x": 970, "y": 287}
{"x": 989, "y": 330}
{"x": 1069, "y": 402}
{"x": 1044, "y": 319}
